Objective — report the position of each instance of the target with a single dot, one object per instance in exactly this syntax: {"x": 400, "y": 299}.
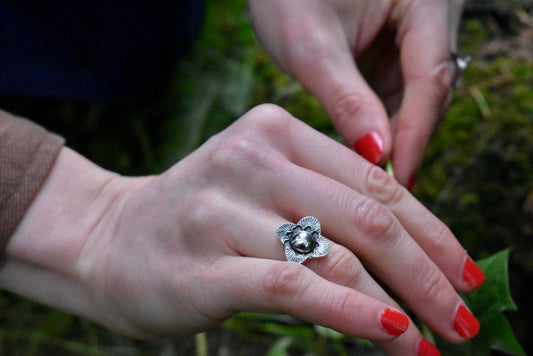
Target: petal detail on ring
{"x": 310, "y": 221}
{"x": 283, "y": 230}
{"x": 322, "y": 249}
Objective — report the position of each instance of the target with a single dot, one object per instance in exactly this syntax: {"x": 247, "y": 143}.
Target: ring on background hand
{"x": 303, "y": 240}
{"x": 460, "y": 63}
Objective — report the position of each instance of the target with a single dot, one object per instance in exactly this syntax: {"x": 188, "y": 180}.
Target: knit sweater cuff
{"x": 27, "y": 154}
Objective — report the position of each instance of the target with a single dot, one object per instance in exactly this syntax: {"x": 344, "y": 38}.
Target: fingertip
{"x": 362, "y": 121}
{"x": 394, "y": 322}
{"x": 473, "y": 276}
{"x": 465, "y": 323}
{"x": 411, "y": 182}
{"x": 425, "y": 348}
{"x": 370, "y": 146}
{"x": 408, "y": 153}
{"x": 402, "y": 173}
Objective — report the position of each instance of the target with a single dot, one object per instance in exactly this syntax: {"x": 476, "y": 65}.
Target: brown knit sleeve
{"x": 27, "y": 153}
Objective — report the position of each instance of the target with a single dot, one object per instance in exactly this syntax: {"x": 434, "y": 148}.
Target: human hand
{"x": 180, "y": 252}
{"x": 402, "y": 67}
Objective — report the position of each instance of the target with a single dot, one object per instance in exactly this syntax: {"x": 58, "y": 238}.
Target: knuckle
{"x": 347, "y": 107}
{"x": 382, "y": 187}
{"x": 201, "y": 208}
{"x": 233, "y": 149}
{"x": 346, "y": 304}
{"x": 432, "y": 283}
{"x": 284, "y": 280}
{"x": 311, "y": 45}
{"x": 269, "y": 124}
{"x": 373, "y": 219}
{"x": 268, "y": 118}
{"x": 442, "y": 77}
{"x": 241, "y": 153}
{"x": 344, "y": 268}
{"x": 437, "y": 238}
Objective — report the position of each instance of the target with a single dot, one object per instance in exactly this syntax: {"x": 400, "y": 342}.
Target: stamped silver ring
{"x": 303, "y": 240}
{"x": 460, "y": 63}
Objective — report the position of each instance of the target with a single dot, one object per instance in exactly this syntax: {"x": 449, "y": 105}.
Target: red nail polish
{"x": 411, "y": 182}
{"x": 395, "y": 323}
{"x": 370, "y": 146}
{"x": 426, "y": 348}
{"x": 472, "y": 274}
{"x": 465, "y": 323}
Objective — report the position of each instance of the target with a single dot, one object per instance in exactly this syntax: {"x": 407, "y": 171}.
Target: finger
{"x": 357, "y": 222}
{"x": 342, "y": 267}
{"x": 371, "y": 230}
{"x": 291, "y": 288}
{"x": 454, "y": 22}
{"x": 339, "y": 266}
{"x": 317, "y": 53}
{"x": 330, "y": 159}
{"x": 428, "y": 73}
{"x": 252, "y": 233}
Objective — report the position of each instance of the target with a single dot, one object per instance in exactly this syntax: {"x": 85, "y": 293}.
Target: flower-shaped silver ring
{"x": 303, "y": 240}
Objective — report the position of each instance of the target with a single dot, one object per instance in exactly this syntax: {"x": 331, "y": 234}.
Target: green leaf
{"x": 488, "y": 304}
{"x": 329, "y": 333}
{"x": 281, "y": 347}
{"x": 389, "y": 169}
{"x": 495, "y": 292}
{"x": 303, "y": 331}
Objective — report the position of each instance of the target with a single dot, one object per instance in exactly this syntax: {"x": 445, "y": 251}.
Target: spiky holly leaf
{"x": 488, "y": 303}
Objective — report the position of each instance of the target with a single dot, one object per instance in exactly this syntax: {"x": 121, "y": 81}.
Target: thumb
{"x": 428, "y": 73}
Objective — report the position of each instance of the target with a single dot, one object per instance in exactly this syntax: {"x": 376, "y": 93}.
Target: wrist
{"x": 71, "y": 201}
{"x": 45, "y": 249}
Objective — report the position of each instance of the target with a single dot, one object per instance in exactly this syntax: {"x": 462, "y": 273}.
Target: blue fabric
{"x": 93, "y": 49}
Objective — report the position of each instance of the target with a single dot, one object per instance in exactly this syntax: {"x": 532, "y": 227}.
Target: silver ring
{"x": 303, "y": 240}
{"x": 460, "y": 63}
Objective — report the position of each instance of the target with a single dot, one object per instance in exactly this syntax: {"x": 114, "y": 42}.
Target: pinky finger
{"x": 290, "y": 288}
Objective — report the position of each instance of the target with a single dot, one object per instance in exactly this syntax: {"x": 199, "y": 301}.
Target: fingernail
{"x": 395, "y": 323}
{"x": 465, "y": 323}
{"x": 411, "y": 182}
{"x": 426, "y": 348}
{"x": 370, "y": 146}
{"x": 472, "y": 274}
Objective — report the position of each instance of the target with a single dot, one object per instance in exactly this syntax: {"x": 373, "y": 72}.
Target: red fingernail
{"x": 465, "y": 323}
{"x": 394, "y": 322}
{"x": 411, "y": 182}
{"x": 426, "y": 348}
{"x": 472, "y": 274}
{"x": 370, "y": 146}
